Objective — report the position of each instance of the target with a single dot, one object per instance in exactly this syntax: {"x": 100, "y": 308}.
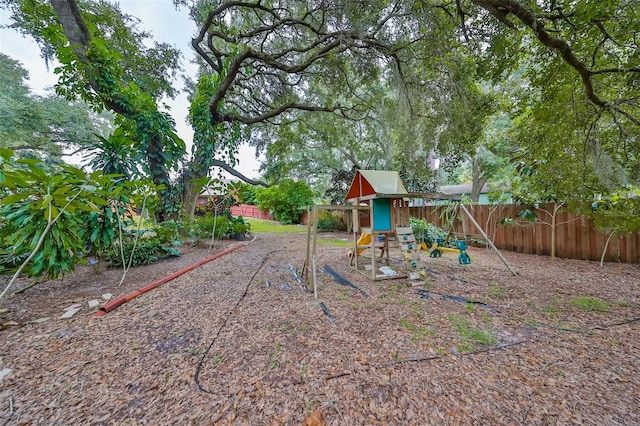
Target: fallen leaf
{"x": 315, "y": 419}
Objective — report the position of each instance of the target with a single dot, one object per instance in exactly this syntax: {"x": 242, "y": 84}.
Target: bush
{"x": 238, "y": 227}
{"x": 146, "y": 251}
{"x": 200, "y": 227}
{"x": 329, "y": 222}
{"x": 286, "y": 201}
{"x": 426, "y": 232}
{"x": 168, "y": 232}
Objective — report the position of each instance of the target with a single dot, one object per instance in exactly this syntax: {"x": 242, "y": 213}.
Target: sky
{"x": 166, "y": 24}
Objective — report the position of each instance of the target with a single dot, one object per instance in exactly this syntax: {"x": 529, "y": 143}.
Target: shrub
{"x": 146, "y": 251}
{"x": 168, "y": 232}
{"x": 329, "y": 222}
{"x": 238, "y": 227}
{"x": 200, "y": 227}
{"x": 425, "y": 231}
{"x": 286, "y": 201}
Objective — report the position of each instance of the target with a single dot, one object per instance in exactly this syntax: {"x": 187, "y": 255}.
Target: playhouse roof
{"x": 375, "y": 182}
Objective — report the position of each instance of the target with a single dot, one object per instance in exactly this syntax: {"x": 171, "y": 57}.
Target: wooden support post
{"x": 307, "y": 259}
{"x": 314, "y": 275}
{"x": 479, "y": 228}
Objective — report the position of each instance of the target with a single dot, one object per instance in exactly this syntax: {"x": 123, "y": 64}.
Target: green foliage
{"x": 168, "y": 232}
{"x": 238, "y": 227}
{"x": 472, "y": 334}
{"x": 339, "y": 185}
{"x": 146, "y": 251}
{"x": 590, "y": 304}
{"x": 244, "y": 193}
{"x": 285, "y": 201}
{"x": 216, "y": 205}
{"x": 46, "y": 215}
{"x": 618, "y": 212}
{"x": 425, "y": 231}
{"x": 109, "y": 66}
{"x": 101, "y": 228}
{"x": 330, "y": 222}
{"x": 41, "y": 126}
{"x": 199, "y": 228}
{"x": 114, "y": 155}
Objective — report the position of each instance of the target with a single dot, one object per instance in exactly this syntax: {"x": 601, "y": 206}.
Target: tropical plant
{"x": 44, "y": 215}
{"x": 238, "y": 227}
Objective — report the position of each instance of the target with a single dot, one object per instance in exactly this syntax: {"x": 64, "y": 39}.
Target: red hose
{"x": 111, "y": 305}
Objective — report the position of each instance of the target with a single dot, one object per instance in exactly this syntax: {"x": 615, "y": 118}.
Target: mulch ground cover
{"x": 242, "y": 340}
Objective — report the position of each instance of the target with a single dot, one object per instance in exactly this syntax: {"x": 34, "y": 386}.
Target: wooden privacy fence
{"x": 576, "y": 237}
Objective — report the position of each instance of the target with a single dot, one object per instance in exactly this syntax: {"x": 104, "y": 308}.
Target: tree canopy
{"x": 322, "y": 87}
{"x": 43, "y": 126}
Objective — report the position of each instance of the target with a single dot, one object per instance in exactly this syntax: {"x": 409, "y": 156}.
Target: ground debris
{"x": 273, "y": 358}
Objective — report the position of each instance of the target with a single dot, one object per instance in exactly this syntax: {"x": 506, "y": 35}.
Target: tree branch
{"x": 501, "y": 8}
{"x": 234, "y": 172}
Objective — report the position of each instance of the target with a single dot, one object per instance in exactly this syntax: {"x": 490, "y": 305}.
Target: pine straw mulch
{"x": 239, "y": 341}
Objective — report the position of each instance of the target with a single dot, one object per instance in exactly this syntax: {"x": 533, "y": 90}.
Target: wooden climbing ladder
{"x": 410, "y": 252}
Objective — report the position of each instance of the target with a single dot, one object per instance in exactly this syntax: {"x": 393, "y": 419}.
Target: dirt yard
{"x": 239, "y": 341}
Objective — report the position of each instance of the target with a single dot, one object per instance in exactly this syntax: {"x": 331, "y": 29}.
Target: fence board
{"x": 585, "y": 241}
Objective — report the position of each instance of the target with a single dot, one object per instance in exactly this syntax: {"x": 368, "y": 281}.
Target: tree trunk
{"x": 78, "y": 35}
{"x": 190, "y": 198}
{"x": 478, "y": 180}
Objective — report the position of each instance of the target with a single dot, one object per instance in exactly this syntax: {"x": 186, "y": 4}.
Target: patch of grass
{"x": 416, "y": 309}
{"x": 335, "y": 242}
{"x": 496, "y": 292}
{"x": 552, "y": 308}
{"x": 532, "y": 322}
{"x": 589, "y": 304}
{"x": 419, "y": 332}
{"x": 395, "y": 355}
{"x": 472, "y": 335}
{"x": 394, "y": 289}
{"x": 342, "y": 295}
{"x": 270, "y": 226}
{"x": 273, "y": 358}
{"x": 464, "y": 348}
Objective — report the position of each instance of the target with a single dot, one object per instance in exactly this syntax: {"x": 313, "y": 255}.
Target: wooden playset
{"x": 379, "y": 203}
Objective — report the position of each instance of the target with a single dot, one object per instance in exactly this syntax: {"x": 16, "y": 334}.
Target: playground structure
{"x": 379, "y": 203}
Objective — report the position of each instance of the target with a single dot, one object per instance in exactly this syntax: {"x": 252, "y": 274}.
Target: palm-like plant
{"x": 115, "y": 155}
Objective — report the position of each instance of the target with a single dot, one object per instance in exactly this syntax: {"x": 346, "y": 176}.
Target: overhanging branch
{"x": 234, "y": 172}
